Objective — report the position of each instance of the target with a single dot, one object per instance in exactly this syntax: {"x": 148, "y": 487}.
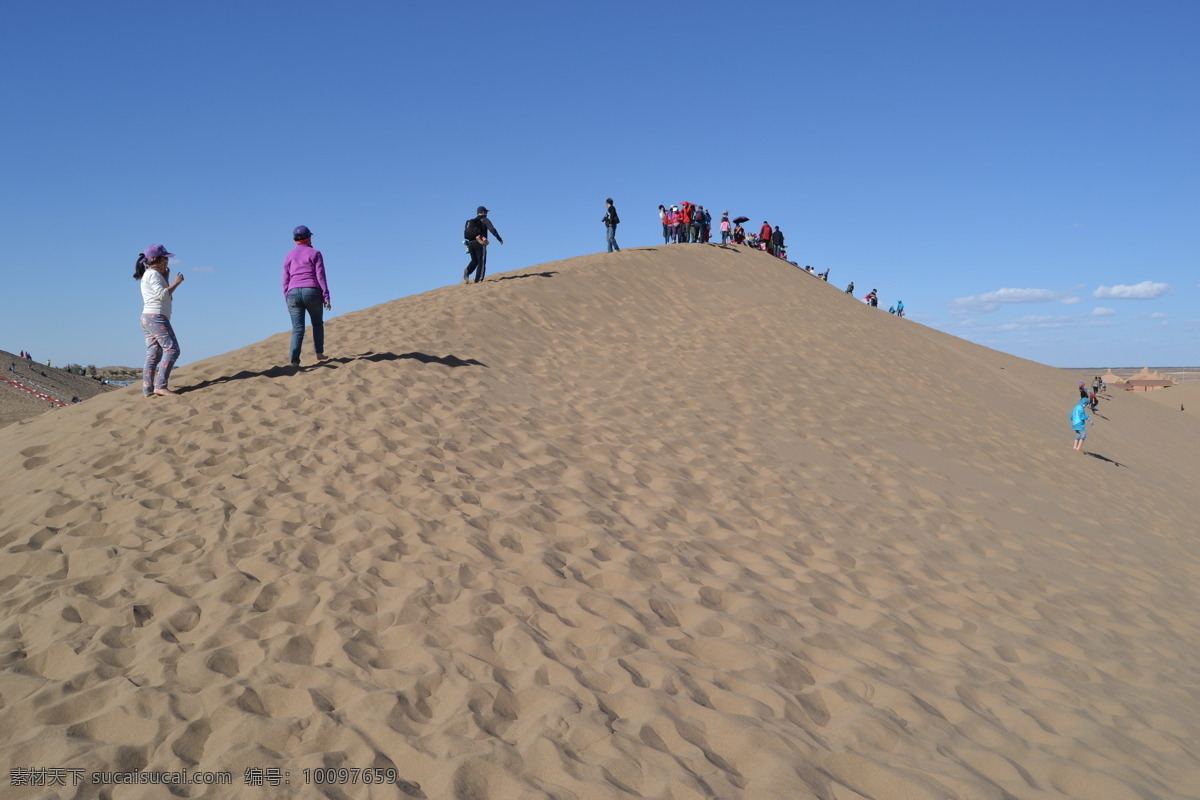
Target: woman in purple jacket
{"x": 304, "y": 289}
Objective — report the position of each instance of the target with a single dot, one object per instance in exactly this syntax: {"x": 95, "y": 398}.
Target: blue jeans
{"x": 612, "y": 238}
{"x": 298, "y": 301}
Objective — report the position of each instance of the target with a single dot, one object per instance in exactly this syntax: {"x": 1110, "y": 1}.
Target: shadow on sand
{"x": 1105, "y": 458}
{"x": 549, "y": 274}
{"x": 335, "y": 363}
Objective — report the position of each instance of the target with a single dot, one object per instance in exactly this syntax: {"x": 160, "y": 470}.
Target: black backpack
{"x": 473, "y": 228}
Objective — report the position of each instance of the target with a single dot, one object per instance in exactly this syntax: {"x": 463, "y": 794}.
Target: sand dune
{"x": 669, "y": 523}
{"x": 28, "y": 389}
{"x": 1184, "y": 396}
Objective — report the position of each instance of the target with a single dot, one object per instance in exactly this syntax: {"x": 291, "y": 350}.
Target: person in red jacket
{"x": 764, "y": 236}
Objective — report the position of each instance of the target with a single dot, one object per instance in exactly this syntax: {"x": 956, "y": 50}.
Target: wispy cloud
{"x": 1037, "y": 323}
{"x": 1101, "y": 311}
{"x": 203, "y": 269}
{"x": 1072, "y": 300}
{"x": 1032, "y": 322}
{"x": 1146, "y": 290}
{"x": 990, "y": 301}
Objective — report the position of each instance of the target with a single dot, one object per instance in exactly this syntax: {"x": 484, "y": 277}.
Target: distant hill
{"x": 46, "y": 388}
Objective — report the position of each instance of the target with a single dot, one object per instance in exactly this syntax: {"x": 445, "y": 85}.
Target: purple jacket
{"x": 303, "y": 268}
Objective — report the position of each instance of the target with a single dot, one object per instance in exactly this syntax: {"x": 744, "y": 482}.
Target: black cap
{"x": 481, "y": 210}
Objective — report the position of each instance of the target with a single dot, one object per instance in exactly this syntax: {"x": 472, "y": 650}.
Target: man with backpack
{"x": 610, "y": 220}
{"x": 475, "y": 234}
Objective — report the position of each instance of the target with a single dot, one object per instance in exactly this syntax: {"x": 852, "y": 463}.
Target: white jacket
{"x": 156, "y": 298}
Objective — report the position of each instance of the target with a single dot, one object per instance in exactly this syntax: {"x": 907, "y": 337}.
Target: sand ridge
{"x": 669, "y": 523}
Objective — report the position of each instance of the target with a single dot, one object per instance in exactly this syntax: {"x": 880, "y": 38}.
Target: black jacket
{"x": 610, "y": 217}
{"x": 487, "y": 223}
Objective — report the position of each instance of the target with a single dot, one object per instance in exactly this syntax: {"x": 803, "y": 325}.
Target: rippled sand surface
{"x": 672, "y": 523}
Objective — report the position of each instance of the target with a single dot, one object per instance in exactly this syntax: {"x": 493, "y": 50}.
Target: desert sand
{"x": 25, "y": 388}
{"x": 1182, "y": 394}
{"x": 675, "y": 523}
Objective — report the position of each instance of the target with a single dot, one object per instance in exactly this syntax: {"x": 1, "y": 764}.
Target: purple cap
{"x": 302, "y": 232}
{"x": 156, "y": 251}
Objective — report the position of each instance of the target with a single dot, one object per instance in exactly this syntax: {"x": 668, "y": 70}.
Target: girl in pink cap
{"x": 162, "y": 350}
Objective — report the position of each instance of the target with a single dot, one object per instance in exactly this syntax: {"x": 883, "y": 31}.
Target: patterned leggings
{"x": 162, "y": 352}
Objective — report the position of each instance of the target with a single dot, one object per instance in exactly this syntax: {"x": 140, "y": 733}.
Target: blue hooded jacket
{"x": 1079, "y": 415}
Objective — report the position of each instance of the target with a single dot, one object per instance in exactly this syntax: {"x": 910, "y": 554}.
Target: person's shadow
{"x": 1105, "y": 458}
{"x": 335, "y": 363}
{"x": 549, "y": 274}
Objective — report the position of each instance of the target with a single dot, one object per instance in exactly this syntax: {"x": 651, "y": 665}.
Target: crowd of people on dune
{"x": 688, "y": 223}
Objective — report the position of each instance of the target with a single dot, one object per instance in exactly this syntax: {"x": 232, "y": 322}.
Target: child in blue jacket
{"x": 1079, "y": 421}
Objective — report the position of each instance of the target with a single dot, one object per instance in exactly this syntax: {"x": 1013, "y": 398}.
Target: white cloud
{"x": 993, "y": 300}
{"x": 1100, "y": 323}
{"x": 1042, "y": 323}
{"x": 1154, "y": 315}
{"x": 1023, "y": 324}
{"x": 1146, "y": 290}
{"x": 1101, "y": 311}
{"x": 203, "y": 269}
{"x": 1071, "y": 300}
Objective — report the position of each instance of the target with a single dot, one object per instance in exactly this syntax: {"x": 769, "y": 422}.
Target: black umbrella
{"x": 740, "y": 220}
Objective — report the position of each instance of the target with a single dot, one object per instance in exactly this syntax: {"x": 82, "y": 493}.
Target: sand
{"x": 676, "y": 523}
{"x": 1186, "y": 395}
{"x": 27, "y": 386}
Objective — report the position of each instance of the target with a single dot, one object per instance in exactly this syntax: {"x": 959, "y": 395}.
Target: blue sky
{"x": 1022, "y": 175}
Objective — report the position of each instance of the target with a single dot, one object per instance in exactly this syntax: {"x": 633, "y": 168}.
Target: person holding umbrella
{"x": 739, "y": 233}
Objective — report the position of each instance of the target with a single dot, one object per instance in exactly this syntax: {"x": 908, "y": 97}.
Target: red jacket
{"x": 764, "y": 232}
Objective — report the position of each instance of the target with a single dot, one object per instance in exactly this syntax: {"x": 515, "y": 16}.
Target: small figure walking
{"x": 611, "y": 220}
{"x": 475, "y": 233}
{"x": 1079, "y": 422}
